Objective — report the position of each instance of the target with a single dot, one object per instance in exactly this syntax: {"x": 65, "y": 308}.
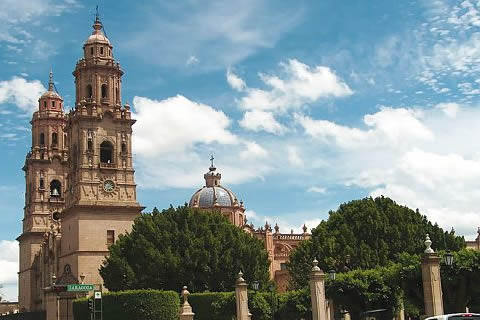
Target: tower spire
{"x": 97, "y": 24}
{"x": 50, "y": 81}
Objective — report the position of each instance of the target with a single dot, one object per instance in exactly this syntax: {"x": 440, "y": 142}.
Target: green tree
{"x": 364, "y": 234}
{"x": 460, "y": 282}
{"x": 363, "y": 290}
{"x": 176, "y": 247}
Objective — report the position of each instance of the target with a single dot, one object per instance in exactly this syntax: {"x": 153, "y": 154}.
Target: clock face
{"x": 108, "y": 185}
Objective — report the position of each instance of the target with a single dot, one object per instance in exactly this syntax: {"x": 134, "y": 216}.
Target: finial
{"x": 315, "y": 265}
{"x": 185, "y": 294}
{"x": 277, "y": 228}
{"x": 50, "y": 81}
{"x": 240, "y": 277}
{"x": 212, "y": 166}
{"x": 305, "y": 229}
{"x": 428, "y": 244}
{"x": 97, "y": 16}
{"x": 97, "y": 25}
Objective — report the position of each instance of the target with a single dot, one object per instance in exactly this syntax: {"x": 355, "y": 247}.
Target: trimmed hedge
{"x": 292, "y": 305}
{"x": 213, "y": 305}
{"x": 133, "y": 304}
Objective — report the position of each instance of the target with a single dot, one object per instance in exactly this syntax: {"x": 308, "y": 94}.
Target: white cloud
{"x": 173, "y": 139}
{"x": 423, "y": 159}
{"x": 180, "y": 123}
{"x": 388, "y": 126}
{"x": 235, "y": 81}
{"x": 294, "y": 157}
{"x": 257, "y": 120}
{"x": 220, "y": 33}
{"x": 8, "y": 261}
{"x": 317, "y": 190}
{"x": 192, "y": 60}
{"x": 21, "y": 92}
{"x": 450, "y": 109}
{"x": 254, "y": 150}
{"x": 299, "y": 85}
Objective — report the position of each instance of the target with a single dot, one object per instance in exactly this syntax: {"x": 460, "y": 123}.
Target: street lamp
{"x": 331, "y": 274}
{"x": 448, "y": 258}
{"x": 255, "y": 285}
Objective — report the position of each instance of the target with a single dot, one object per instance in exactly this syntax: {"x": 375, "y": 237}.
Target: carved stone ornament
{"x": 67, "y": 276}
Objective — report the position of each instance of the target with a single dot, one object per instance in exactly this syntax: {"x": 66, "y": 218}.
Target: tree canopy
{"x": 177, "y": 247}
{"x": 365, "y": 234}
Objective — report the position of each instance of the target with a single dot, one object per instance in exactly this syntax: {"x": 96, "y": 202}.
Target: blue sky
{"x": 305, "y": 104}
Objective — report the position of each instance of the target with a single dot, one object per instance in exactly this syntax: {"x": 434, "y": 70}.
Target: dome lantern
{"x": 50, "y": 100}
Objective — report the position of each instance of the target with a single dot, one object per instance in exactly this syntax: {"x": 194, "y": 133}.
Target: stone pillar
{"x": 186, "y": 312}
{"x": 241, "y": 298}
{"x": 317, "y": 290}
{"x": 331, "y": 310}
{"x": 432, "y": 283}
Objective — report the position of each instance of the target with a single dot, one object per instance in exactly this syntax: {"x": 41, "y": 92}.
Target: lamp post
{"x": 331, "y": 274}
{"x": 448, "y": 258}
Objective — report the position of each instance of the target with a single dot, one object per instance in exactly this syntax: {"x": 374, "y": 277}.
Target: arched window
{"x": 106, "y": 152}
{"x": 101, "y": 51}
{"x": 91, "y": 51}
{"x": 53, "y": 104}
{"x": 45, "y": 104}
{"x": 55, "y": 189}
{"x": 54, "y": 138}
{"x": 89, "y": 91}
{"x": 42, "y": 183}
{"x": 104, "y": 90}
{"x": 124, "y": 147}
{"x": 42, "y": 139}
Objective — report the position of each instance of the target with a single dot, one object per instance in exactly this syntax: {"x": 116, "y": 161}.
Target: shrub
{"x": 133, "y": 304}
{"x": 294, "y": 305}
{"x": 213, "y": 305}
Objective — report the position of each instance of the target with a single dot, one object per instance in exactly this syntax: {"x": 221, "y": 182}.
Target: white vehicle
{"x": 456, "y": 316}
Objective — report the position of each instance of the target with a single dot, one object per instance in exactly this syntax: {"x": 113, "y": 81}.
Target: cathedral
{"x": 80, "y": 188}
{"x": 81, "y": 192}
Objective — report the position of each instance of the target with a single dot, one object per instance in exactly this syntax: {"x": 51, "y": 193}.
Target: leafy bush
{"x": 133, "y": 304}
{"x": 294, "y": 305}
{"x": 213, "y": 305}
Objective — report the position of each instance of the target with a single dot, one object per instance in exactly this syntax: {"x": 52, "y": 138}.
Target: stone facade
{"x": 80, "y": 187}
{"x": 475, "y": 244}
{"x": 214, "y": 196}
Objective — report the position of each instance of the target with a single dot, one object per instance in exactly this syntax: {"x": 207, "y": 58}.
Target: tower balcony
{"x": 104, "y": 165}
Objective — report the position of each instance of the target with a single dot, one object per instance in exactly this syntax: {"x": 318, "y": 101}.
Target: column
{"x": 432, "y": 283}
{"x": 317, "y": 290}
{"x": 242, "y": 298}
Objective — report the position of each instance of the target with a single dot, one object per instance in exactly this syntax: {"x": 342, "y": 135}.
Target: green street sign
{"x": 80, "y": 287}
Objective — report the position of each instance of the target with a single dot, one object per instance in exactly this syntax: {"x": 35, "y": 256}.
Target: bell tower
{"x": 101, "y": 200}
{"x": 45, "y": 174}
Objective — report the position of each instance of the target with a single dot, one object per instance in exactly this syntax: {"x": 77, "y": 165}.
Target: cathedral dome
{"x": 208, "y": 197}
{"x": 213, "y": 194}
